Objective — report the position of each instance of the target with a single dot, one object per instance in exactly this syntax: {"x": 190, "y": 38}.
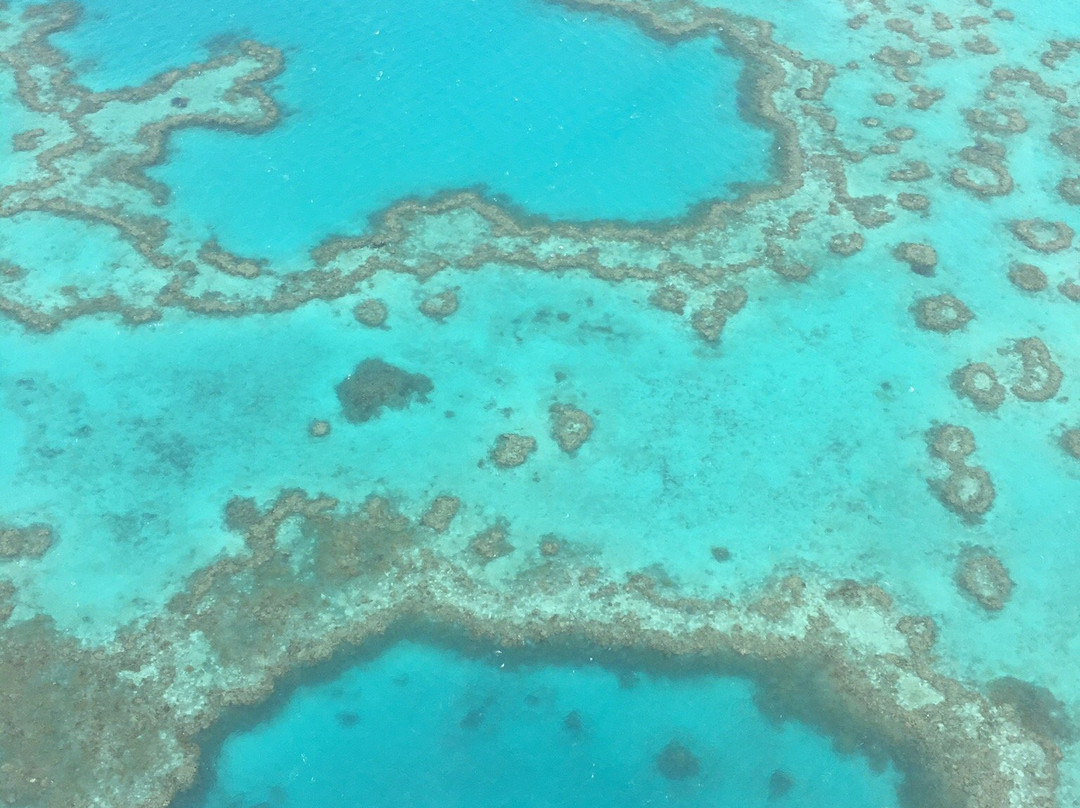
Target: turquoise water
{"x": 564, "y": 114}
{"x": 794, "y": 444}
{"x": 423, "y": 726}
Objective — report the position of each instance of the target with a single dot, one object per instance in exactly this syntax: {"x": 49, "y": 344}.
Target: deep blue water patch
{"x": 419, "y": 725}
{"x": 571, "y": 115}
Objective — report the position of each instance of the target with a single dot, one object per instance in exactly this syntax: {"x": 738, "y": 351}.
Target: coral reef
{"x": 846, "y": 243}
{"x": 720, "y": 554}
{"x": 570, "y": 427}
{"x": 676, "y": 762}
{"x": 1043, "y": 236}
{"x": 7, "y": 599}
{"x": 978, "y": 382}
{"x": 1027, "y": 277}
{"x": 441, "y": 513}
{"x": 512, "y": 450}
{"x": 987, "y": 159}
{"x": 981, "y": 576}
{"x": 1069, "y": 190}
{"x": 370, "y": 312}
{"x": 549, "y": 546}
{"x": 32, "y": 541}
{"x": 492, "y": 543}
{"x": 780, "y": 783}
{"x": 318, "y": 428}
{"x": 374, "y": 385}
{"x": 1067, "y": 140}
{"x": 1070, "y": 442}
{"x": 921, "y": 258}
{"x": 915, "y": 202}
{"x": 951, "y": 443}
{"x": 1040, "y": 376}
{"x": 246, "y": 621}
{"x": 440, "y": 306}
{"x": 941, "y": 313}
{"x": 211, "y": 253}
{"x": 1070, "y": 289}
{"x": 669, "y": 298}
{"x": 1035, "y": 708}
{"x": 966, "y": 490}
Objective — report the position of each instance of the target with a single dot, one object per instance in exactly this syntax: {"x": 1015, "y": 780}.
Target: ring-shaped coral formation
{"x": 941, "y": 313}
{"x": 978, "y": 382}
{"x": 838, "y": 656}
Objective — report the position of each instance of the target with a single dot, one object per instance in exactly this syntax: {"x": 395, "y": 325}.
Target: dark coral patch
{"x": 676, "y": 762}
{"x": 374, "y": 384}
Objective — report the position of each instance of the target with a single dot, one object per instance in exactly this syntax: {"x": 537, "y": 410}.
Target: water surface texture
{"x": 504, "y": 402}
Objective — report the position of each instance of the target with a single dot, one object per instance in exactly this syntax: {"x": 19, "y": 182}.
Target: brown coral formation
{"x": 492, "y": 543}
{"x": 1040, "y": 376}
{"x": 7, "y": 599}
{"x": 1027, "y": 277}
{"x": 247, "y": 621}
{"x": 1043, "y": 236}
{"x": 676, "y": 762}
{"x": 370, "y": 312}
{"x": 913, "y": 171}
{"x": 915, "y": 202}
{"x": 1010, "y": 121}
{"x": 967, "y": 490}
{"x": 441, "y": 513}
{"x": 921, "y": 258}
{"x": 978, "y": 382}
{"x": 669, "y": 298}
{"x": 982, "y": 577}
{"x": 213, "y": 254}
{"x": 375, "y": 385}
{"x": 981, "y": 44}
{"x": 924, "y": 97}
{"x": 570, "y": 427}
{"x": 1069, "y": 190}
{"x": 27, "y": 140}
{"x": 988, "y": 160}
{"x": 440, "y": 306}
{"x": 1070, "y": 442}
{"x": 319, "y": 428}
{"x": 708, "y": 322}
{"x": 1070, "y": 289}
{"x": 846, "y": 244}
{"x": 941, "y": 313}
{"x": 32, "y": 541}
{"x": 951, "y": 443}
{"x": 1067, "y": 140}
{"x": 511, "y": 450}
{"x": 550, "y": 546}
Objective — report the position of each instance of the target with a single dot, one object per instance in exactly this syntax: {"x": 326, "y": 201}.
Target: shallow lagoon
{"x": 563, "y": 113}
{"x": 427, "y": 726}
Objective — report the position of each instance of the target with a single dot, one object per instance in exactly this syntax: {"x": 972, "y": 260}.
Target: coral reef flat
{"x": 539, "y": 403}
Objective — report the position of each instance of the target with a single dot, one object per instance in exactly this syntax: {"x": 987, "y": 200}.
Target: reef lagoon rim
{"x": 75, "y": 160}
{"x": 424, "y": 718}
{"x": 558, "y": 112}
{"x": 315, "y": 580}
